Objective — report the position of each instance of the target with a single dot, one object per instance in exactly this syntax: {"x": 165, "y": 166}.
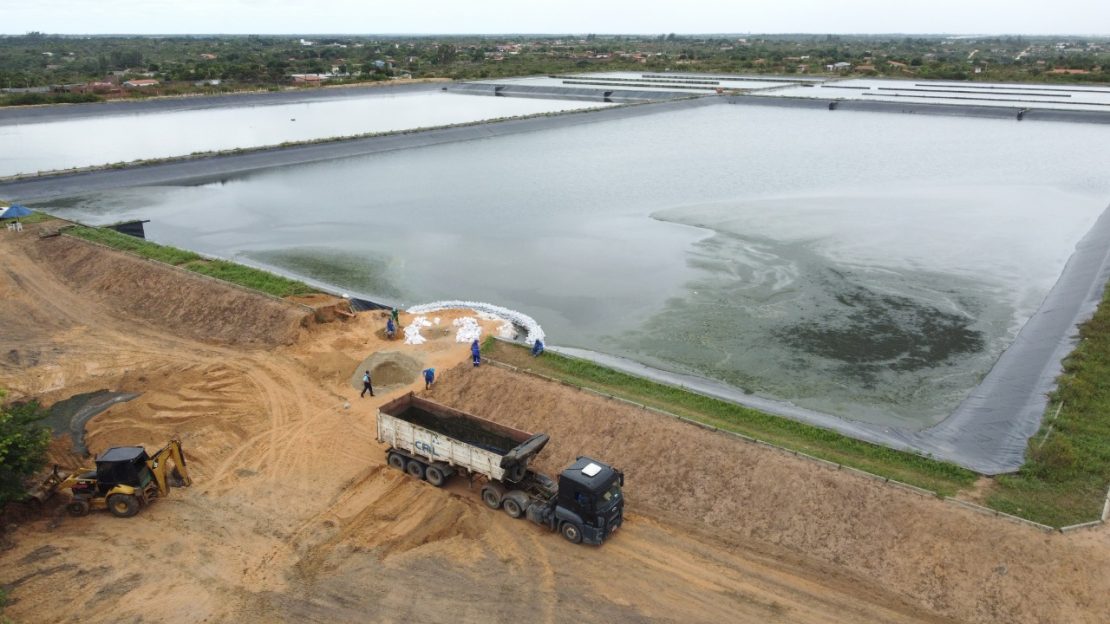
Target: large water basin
{"x": 871, "y": 266}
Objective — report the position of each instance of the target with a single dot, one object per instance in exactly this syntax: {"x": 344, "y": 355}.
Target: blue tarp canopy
{"x": 13, "y": 211}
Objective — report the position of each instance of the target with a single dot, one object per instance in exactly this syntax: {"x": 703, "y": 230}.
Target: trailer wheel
{"x": 123, "y": 505}
{"x": 395, "y": 460}
{"x": 415, "y": 469}
{"x": 572, "y": 532}
{"x": 512, "y": 508}
{"x": 491, "y": 497}
{"x": 78, "y": 508}
{"x": 435, "y": 476}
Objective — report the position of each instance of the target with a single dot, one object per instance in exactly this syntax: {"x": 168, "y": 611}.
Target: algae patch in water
{"x": 364, "y": 273}
{"x": 869, "y": 331}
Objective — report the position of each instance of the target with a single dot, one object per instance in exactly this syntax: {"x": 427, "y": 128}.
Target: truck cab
{"x": 590, "y": 504}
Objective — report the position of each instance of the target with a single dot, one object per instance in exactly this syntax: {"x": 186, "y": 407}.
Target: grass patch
{"x": 1067, "y": 466}
{"x": 146, "y": 249}
{"x": 941, "y": 477}
{"x": 255, "y": 279}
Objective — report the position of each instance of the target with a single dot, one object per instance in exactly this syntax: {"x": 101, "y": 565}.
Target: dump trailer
{"x": 433, "y": 442}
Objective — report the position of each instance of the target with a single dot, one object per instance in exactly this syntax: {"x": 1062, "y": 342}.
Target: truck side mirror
{"x": 622, "y": 479}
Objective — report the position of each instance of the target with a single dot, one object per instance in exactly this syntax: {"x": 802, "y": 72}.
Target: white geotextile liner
{"x": 488, "y": 311}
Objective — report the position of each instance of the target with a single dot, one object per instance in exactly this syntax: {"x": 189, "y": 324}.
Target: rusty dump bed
{"x": 455, "y": 424}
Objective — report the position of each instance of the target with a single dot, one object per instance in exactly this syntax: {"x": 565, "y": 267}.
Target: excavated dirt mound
{"x": 185, "y": 304}
{"x": 388, "y": 369}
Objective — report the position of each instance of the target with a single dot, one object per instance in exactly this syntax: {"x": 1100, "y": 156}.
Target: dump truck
{"x": 433, "y": 442}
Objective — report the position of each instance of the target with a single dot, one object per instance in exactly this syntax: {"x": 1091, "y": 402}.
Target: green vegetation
{"x": 23, "y": 441}
{"x": 3, "y": 603}
{"x": 248, "y": 277}
{"x": 36, "y": 217}
{"x": 39, "y": 68}
{"x": 1067, "y": 470}
{"x": 32, "y": 99}
{"x": 938, "y": 476}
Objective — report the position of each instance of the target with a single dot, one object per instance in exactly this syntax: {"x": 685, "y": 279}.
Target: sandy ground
{"x": 293, "y": 515}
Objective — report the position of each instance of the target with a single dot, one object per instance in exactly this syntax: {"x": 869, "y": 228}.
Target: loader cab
{"x": 591, "y": 490}
{"x": 122, "y": 465}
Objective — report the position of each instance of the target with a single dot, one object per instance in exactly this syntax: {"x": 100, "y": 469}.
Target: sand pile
{"x": 387, "y": 369}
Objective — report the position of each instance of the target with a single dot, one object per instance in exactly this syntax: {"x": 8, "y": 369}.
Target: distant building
{"x": 841, "y": 66}
{"x": 141, "y": 83}
{"x": 103, "y": 86}
{"x": 309, "y": 79}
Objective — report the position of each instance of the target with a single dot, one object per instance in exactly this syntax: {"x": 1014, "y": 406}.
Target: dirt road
{"x": 294, "y": 517}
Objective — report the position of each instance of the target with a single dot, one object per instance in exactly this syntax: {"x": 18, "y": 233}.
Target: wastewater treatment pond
{"x": 110, "y": 134}
{"x": 870, "y": 266}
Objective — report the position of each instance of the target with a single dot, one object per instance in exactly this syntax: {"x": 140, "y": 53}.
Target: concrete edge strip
{"x": 1017, "y": 111}
{"x": 1085, "y": 525}
{"x": 1000, "y": 514}
{"x": 215, "y": 280}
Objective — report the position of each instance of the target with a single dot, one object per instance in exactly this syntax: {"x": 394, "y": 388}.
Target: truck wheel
{"x": 415, "y": 469}
{"x": 491, "y": 497}
{"x": 123, "y": 505}
{"x": 512, "y": 508}
{"x": 396, "y": 461}
{"x": 435, "y": 476}
{"x": 78, "y": 508}
{"x": 572, "y": 532}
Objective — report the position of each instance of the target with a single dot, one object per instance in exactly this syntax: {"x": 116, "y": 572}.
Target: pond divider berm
{"x": 12, "y": 115}
{"x": 209, "y": 168}
{"x": 1019, "y": 111}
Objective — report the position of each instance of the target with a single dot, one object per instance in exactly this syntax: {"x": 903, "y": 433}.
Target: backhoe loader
{"x": 125, "y": 480}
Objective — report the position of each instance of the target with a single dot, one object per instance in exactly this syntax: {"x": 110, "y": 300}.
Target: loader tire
{"x": 123, "y": 505}
{"x": 78, "y": 508}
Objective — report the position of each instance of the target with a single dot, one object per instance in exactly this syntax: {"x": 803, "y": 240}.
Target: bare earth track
{"x": 294, "y": 517}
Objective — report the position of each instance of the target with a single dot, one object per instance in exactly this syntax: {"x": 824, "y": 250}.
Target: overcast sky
{"x": 554, "y": 16}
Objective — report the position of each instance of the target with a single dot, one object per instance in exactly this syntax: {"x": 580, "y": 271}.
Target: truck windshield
{"x": 611, "y": 495}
